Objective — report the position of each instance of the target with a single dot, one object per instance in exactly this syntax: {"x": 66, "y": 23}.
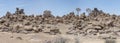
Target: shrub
{"x": 60, "y": 40}
{"x": 110, "y": 41}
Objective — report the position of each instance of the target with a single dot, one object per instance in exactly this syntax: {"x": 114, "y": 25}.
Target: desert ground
{"x": 6, "y": 37}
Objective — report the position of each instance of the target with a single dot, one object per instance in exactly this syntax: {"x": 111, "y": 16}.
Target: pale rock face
{"x": 28, "y": 28}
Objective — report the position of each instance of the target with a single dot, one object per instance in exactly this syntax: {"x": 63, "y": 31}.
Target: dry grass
{"x": 77, "y": 40}
{"x": 60, "y": 40}
{"x": 57, "y": 40}
{"x": 110, "y": 41}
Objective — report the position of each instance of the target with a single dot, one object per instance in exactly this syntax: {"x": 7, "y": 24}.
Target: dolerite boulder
{"x": 36, "y": 29}
{"x": 28, "y": 28}
{"x": 54, "y": 31}
{"x": 5, "y": 29}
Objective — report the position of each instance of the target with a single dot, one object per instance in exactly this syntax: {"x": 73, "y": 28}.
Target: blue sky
{"x": 58, "y": 7}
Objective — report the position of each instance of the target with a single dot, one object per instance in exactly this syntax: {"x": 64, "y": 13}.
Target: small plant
{"x": 47, "y": 41}
{"x": 60, "y": 40}
{"x": 110, "y": 41}
{"x": 77, "y": 40}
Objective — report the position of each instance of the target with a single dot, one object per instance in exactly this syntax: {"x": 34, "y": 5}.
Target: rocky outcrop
{"x": 97, "y": 23}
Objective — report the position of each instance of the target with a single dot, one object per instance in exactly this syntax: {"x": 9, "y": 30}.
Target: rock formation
{"x": 97, "y": 23}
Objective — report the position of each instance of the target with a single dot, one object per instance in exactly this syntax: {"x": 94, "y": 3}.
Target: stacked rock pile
{"x": 96, "y": 23}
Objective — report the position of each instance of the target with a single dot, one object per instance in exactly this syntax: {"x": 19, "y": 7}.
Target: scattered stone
{"x": 11, "y": 36}
{"x": 28, "y": 28}
{"x": 19, "y": 38}
{"x": 55, "y": 31}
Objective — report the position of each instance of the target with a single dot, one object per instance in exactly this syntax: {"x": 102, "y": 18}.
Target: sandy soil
{"x": 42, "y": 38}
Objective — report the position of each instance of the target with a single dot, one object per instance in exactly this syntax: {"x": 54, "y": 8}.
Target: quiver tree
{"x": 82, "y": 16}
{"x": 17, "y": 11}
{"x": 8, "y": 14}
{"x": 22, "y": 11}
{"x": 78, "y": 10}
{"x": 88, "y": 10}
{"x": 47, "y": 14}
{"x": 94, "y": 12}
{"x": 72, "y": 14}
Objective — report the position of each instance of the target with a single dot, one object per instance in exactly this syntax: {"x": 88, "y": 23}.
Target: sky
{"x": 58, "y": 7}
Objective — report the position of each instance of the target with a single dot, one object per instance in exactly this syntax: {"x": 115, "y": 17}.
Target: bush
{"x": 60, "y": 40}
{"x": 77, "y": 40}
{"x": 110, "y": 41}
